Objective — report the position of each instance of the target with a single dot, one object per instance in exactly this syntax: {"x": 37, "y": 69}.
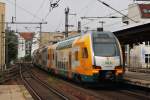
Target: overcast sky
{"x": 36, "y": 10}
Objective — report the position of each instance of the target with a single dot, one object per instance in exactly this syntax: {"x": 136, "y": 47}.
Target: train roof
{"x": 67, "y": 43}
{"x": 103, "y": 34}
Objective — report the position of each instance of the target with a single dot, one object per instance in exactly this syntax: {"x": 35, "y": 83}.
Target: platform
{"x": 137, "y": 78}
{"x": 14, "y": 92}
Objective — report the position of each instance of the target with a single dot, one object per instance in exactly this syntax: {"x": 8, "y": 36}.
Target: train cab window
{"x": 84, "y": 53}
{"x": 76, "y": 56}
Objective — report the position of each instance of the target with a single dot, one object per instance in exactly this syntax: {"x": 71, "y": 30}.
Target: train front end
{"x": 107, "y": 56}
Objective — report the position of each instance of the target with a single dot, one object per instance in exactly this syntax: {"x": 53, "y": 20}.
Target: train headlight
{"x": 96, "y": 67}
{"x": 119, "y": 70}
{"x": 118, "y": 67}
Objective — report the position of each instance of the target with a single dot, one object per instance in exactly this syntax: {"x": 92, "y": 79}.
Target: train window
{"x": 53, "y": 55}
{"x": 84, "y": 53}
{"x": 48, "y": 56}
{"x": 76, "y": 56}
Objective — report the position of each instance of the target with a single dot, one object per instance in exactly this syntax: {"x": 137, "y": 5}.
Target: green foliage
{"x": 27, "y": 58}
{"x": 11, "y": 46}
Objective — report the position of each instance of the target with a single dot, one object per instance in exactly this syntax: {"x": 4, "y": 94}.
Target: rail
{"x": 42, "y": 83}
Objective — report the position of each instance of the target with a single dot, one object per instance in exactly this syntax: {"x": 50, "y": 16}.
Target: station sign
{"x": 145, "y": 10}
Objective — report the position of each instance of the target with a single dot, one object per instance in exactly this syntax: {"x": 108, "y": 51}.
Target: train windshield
{"x": 104, "y": 45}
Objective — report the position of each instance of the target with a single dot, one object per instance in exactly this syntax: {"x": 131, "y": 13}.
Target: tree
{"x": 11, "y": 45}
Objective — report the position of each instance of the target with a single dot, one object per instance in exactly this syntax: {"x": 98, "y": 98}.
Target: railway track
{"x": 98, "y": 93}
{"x": 112, "y": 92}
{"x": 122, "y": 92}
{"x": 39, "y": 89}
{"x": 141, "y": 93}
{"x": 9, "y": 74}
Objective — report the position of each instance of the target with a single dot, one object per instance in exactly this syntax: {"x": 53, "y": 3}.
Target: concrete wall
{"x": 2, "y": 36}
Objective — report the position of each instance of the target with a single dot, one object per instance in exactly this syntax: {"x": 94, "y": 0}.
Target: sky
{"x": 37, "y": 10}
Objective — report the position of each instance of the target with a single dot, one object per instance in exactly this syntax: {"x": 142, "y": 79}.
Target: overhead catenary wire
{"x": 123, "y": 9}
{"x": 51, "y": 7}
{"x": 113, "y": 14}
{"x": 40, "y": 7}
{"x": 87, "y": 7}
{"x": 50, "y": 3}
{"x": 60, "y": 22}
{"x": 107, "y": 25}
{"x": 25, "y": 10}
{"x": 120, "y": 21}
{"x": 116, "y": 10}
{"x": 38, "y": 10}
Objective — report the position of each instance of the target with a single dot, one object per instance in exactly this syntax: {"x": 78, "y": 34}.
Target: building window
{"x": 84, "y": 53}
{"x": 147, "y": 43}
{"x": 147, "y": 58}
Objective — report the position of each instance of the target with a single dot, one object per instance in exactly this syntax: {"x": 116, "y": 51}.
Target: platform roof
{"x": 134, "y": 34}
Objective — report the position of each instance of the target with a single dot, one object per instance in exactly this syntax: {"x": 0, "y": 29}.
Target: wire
{"x": 116, "y": 10}
{"x": 86, "y": 7}
{"x": 52, "y": 6}
{"x": 60, "y": 22}
{"x": 113, "y": 14}
{"x": 123, "y": 10}
{"x": 25, "y": 10}
{"x": 120, "y": 21}
{"x": 42, "y": 4}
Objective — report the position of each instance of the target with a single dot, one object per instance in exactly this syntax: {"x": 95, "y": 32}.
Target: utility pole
{"x": 79, "y": 26}
{"x": 2, "y": 43}
{"x": 66, "y": 21}
{"x": 15, "y": 10}
{"x": 15, "y": 23}
{"x": 40, "y": 33}
{"x": 6, "y": 44}
{"x": 40, "y": 24}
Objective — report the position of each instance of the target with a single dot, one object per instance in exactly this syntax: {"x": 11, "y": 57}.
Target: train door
{"x": 50, "y": 58}
{"x": 56, "y": 62}
{"x": 69, "y": 66}
{"x": 75, "y": 58}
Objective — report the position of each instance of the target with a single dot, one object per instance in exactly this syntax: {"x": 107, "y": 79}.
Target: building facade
{"x": 50, "y": 38}
{"x": 139, "y": 55}
{"x": 2, "y": 36}
{"x": 140, "y": 13}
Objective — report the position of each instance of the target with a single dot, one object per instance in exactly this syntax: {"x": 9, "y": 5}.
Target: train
{"x": 90, "y": 57}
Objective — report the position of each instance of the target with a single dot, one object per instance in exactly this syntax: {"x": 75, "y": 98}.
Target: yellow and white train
{"x": 91, "y": 57}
